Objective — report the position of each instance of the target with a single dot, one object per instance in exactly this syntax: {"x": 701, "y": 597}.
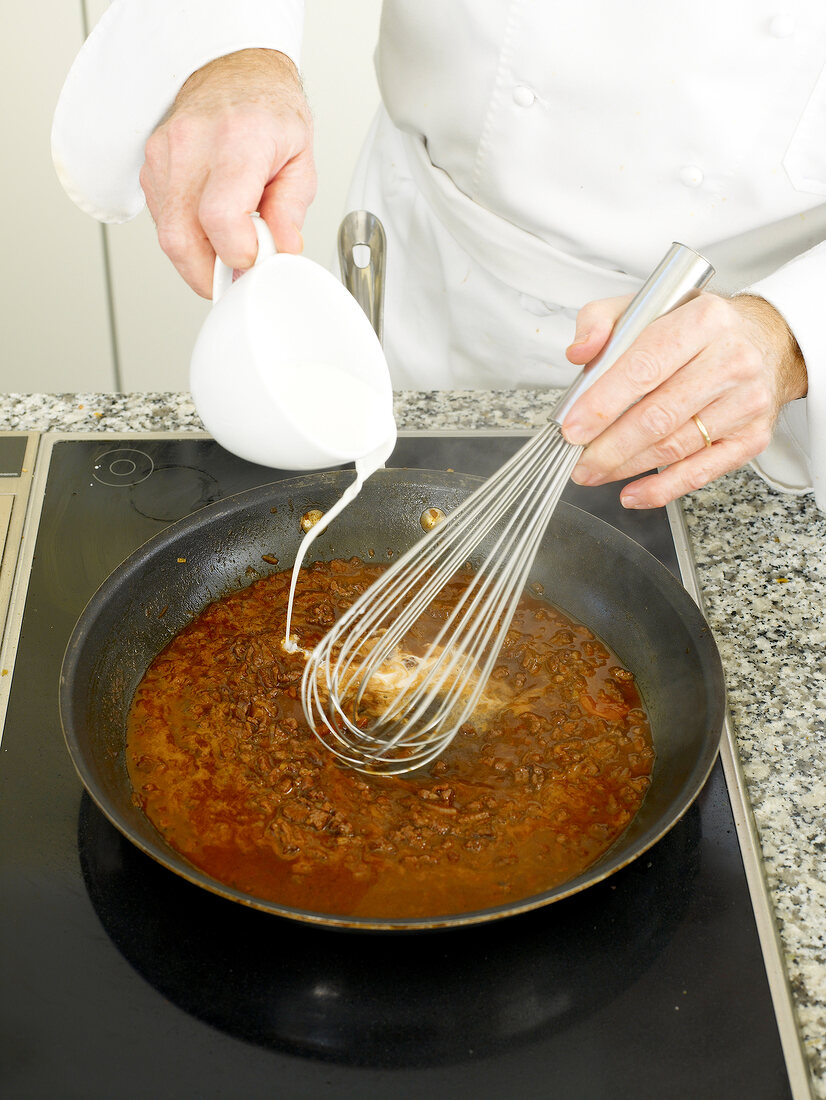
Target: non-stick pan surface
{"x": 585, "y": 566}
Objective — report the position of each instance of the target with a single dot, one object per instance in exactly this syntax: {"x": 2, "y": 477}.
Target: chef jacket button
{"x": 782, "y": 26}
{"x": 691, "y": 175}
{"x": 522, "y": 96}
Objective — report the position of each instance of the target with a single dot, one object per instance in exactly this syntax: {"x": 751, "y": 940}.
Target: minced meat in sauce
{"x": 223, "y": 763}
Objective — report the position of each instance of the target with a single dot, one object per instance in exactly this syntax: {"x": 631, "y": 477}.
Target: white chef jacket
{"x": 529, "y": 157}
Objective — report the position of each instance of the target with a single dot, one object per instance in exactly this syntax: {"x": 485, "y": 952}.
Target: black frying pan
{"x": 587, "y": 568}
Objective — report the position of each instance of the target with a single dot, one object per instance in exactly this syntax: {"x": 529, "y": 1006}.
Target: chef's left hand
{"x": 732, "y": 363}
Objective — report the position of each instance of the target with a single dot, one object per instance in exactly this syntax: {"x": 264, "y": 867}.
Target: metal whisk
{"x": 374, "y": 701}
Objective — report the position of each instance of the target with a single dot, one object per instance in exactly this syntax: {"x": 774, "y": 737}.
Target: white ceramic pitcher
{"x": 287, "y": 371}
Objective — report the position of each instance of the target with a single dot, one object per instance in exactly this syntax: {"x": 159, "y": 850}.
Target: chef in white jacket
{"x": 531, "y": 162}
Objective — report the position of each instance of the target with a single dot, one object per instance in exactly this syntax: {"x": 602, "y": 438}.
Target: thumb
{"x": 594, "y": 324}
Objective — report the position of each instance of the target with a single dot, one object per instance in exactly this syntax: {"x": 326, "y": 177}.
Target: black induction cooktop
{"x": 120, "y": 979}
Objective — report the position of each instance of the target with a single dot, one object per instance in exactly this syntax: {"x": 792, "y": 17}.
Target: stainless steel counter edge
{"x": 767, "y": 930}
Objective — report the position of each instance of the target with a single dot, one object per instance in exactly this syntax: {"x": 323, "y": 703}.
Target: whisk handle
{"x": 680, "y": 276}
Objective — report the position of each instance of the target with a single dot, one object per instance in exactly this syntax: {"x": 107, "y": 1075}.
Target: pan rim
{"x": 174, "y": 861}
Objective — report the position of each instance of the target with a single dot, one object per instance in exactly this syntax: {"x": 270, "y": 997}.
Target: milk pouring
{"x": 288, "y": 372}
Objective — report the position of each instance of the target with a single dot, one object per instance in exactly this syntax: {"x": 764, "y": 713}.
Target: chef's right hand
{"x": 237, "y": 139}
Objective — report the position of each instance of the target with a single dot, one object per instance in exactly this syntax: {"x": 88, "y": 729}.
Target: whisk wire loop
{"x": 441, "y": 554}
{"x": 444, "y": 684}
{"x": 434, "y": 693}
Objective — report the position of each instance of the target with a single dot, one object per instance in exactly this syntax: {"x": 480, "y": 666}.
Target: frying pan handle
{"x": 362, "y": 255}
{"x": 680, "y": 276}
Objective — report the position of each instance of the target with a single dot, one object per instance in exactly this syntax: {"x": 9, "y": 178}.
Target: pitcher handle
{"x": 222, "y": 275}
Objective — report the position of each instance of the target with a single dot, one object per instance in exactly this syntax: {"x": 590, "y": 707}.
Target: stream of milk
{"x": 352, "y": 420}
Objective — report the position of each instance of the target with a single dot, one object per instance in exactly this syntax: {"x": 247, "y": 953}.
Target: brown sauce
{"x": 222, "y": 762}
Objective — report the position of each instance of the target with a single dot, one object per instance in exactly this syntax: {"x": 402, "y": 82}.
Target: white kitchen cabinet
{"x": 56, "y": 332}
{"x": 93, "y": 308}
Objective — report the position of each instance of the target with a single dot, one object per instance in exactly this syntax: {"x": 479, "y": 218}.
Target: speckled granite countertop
{"x": 761, "y": 563}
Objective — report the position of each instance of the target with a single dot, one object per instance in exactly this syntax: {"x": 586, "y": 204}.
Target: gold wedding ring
{"x": 701, "y": 428}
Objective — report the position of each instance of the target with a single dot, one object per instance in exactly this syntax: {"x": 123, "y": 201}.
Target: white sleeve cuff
{"x": 126, "y": 76}
{"x": 795, "y": 460}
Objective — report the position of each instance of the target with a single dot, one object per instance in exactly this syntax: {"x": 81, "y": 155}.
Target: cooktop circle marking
{"x": 123, "y": 467}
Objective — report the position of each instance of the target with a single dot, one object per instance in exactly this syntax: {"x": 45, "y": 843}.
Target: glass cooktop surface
{"x": 121, "y": 979}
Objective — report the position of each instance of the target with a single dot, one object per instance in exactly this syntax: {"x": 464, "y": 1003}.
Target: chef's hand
{"x": 237, "y": 139}
{"x": 732, "y": 363}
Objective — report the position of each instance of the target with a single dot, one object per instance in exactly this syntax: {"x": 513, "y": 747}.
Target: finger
{"x": 190, "y": 251}
{"x": 658, "y": 430}
{"x": 594, "y": 323}
{"x": 285, "y": 202}
{"x": 172, "y": 199}
{"x": 182, "y": 238}
{"x": 232, "y": 191}
{"x": 745, "y": 439}
{"x": 685, "y": 441}
{"x": 654, "y": 421}
{"x": 694, "y": 472}
{"x": 153, "y": 180}
{"x": 664, "y": 347}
